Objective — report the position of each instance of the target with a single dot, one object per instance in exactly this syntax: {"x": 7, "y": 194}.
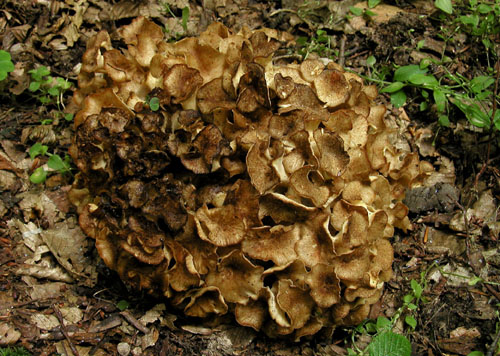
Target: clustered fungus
{"x": 261, "y": 190}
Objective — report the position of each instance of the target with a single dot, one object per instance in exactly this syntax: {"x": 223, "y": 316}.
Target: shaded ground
{"x": 50, "y": 273}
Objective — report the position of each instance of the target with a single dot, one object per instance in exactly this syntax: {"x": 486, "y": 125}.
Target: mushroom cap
{"x": 261, "y": 190}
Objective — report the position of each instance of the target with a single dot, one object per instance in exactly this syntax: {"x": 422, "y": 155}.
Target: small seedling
{"x": 55, "y": 162}
{"x": 184, "y": 19}
{"x": 154, "y": 104}
{"x": 122, "y": 305}
{"x": 6, "y": 65}
{"x": 320, "y": 44}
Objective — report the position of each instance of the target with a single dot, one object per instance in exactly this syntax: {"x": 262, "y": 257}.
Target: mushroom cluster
{"x": 260, "y": 190}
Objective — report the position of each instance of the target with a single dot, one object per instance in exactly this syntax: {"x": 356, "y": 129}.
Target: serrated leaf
{"x": 393, "y": 87}
{"x": 444, "y": 5}
{"x": 398, "y": 99}
{"x": 403, "y": 74}
{"x": 390, "y": 344}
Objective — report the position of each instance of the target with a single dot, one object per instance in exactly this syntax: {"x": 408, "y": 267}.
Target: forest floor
{"x": 57, "y": 296}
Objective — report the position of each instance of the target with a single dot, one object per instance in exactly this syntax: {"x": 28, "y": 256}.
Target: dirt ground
{"x": 57, "y": 296}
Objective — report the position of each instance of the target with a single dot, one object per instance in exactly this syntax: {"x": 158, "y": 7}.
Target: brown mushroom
{"x": 260, "y": 190}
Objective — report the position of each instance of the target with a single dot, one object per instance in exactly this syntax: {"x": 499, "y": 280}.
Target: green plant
{"x": 122, "y": 305}
{"x": 385, "y": 341}
{"x": 320, "y": 44}
{"x": 49, "y": 90}
{"x": 154, "y": 104}
{"x": 54, "y": 162}
{"x": 470, "y": 96}
{"x": 184, "y": 19}
{"x": 14, "y": 351}
{"x": 6, "y": 65}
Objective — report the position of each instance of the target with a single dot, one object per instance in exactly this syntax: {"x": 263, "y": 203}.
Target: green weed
{"x": 184, "y": 19}
{"x": 319, "y": 44}
{"x": 14, "y": 351}
{"x": 6, "y": 65}
{"x": 49, "y": 90}
{"x": 54, "y": 162}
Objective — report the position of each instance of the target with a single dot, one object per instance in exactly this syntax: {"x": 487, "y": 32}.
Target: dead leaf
{"x": 8, "y": 334}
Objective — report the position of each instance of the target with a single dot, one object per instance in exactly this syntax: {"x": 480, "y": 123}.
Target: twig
{"x": 493, "y": 346}
{"x": 342, "y": 51}
{"x": 63, "y": 330}
{"x": 136, "y": 323}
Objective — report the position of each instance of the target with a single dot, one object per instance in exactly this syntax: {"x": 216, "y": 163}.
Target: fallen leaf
{"x": 8, "y": 334}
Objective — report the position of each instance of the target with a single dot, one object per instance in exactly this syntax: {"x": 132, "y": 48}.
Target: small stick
{"x": 342, "y": 51}
{"x": 136, "y": 323}
{"x": 63, "y": 330}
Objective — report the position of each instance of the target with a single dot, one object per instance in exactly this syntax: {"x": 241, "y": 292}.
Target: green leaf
{"x": 424, "y": 63}
{"x": 6, "y": 65}
{"x": 410, "y": 320}
{"x": 440, "y": 99}
{"x": 403, "y": 74}
{"x": 412, "y": 306}
{"x": 39, "y": 73}
{"x": 122, "y": 305}
{"x": 480, "y": 83}
{"x": 185, "y": 17}
{"x": 475, "y": 280}
{"x": 393, "y": 87}
{"x": 34, "y": 86}
{"x": 383, "y": 324}
{"x": 390, "y": 344}
{"x": 420, "y": 44}
{"x": 398, "y": 99}
{"x": 496, "y": 119}
{"x": 444, "y": 5}
{"x": 369, "y": 13}
{"x": 356, "y": 11}
{"x": 484, "y": 9}
{"x": 38, "y": 176}
{"x": 373, "y": 3}
{"x": 423, "y": 106}
{"x": 444, "y": 121}
{"x": 370, "y": 61}
{"x": 68, "y": 117}
{"x": 417, "y": 288}
{"x": 423, "y": 79}
{"x": 37, "y": 149}
{"x": 54, "y": 91}
{"x": 408, "y": 298}
{"x": 154, "y": 104}
{"x": 473, "y": 113}
{"x": 56, "y": 163}
{"x": 475, "y": 353}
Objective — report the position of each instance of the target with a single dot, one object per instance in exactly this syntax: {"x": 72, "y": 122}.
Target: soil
{"x": 68, "y": 302}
